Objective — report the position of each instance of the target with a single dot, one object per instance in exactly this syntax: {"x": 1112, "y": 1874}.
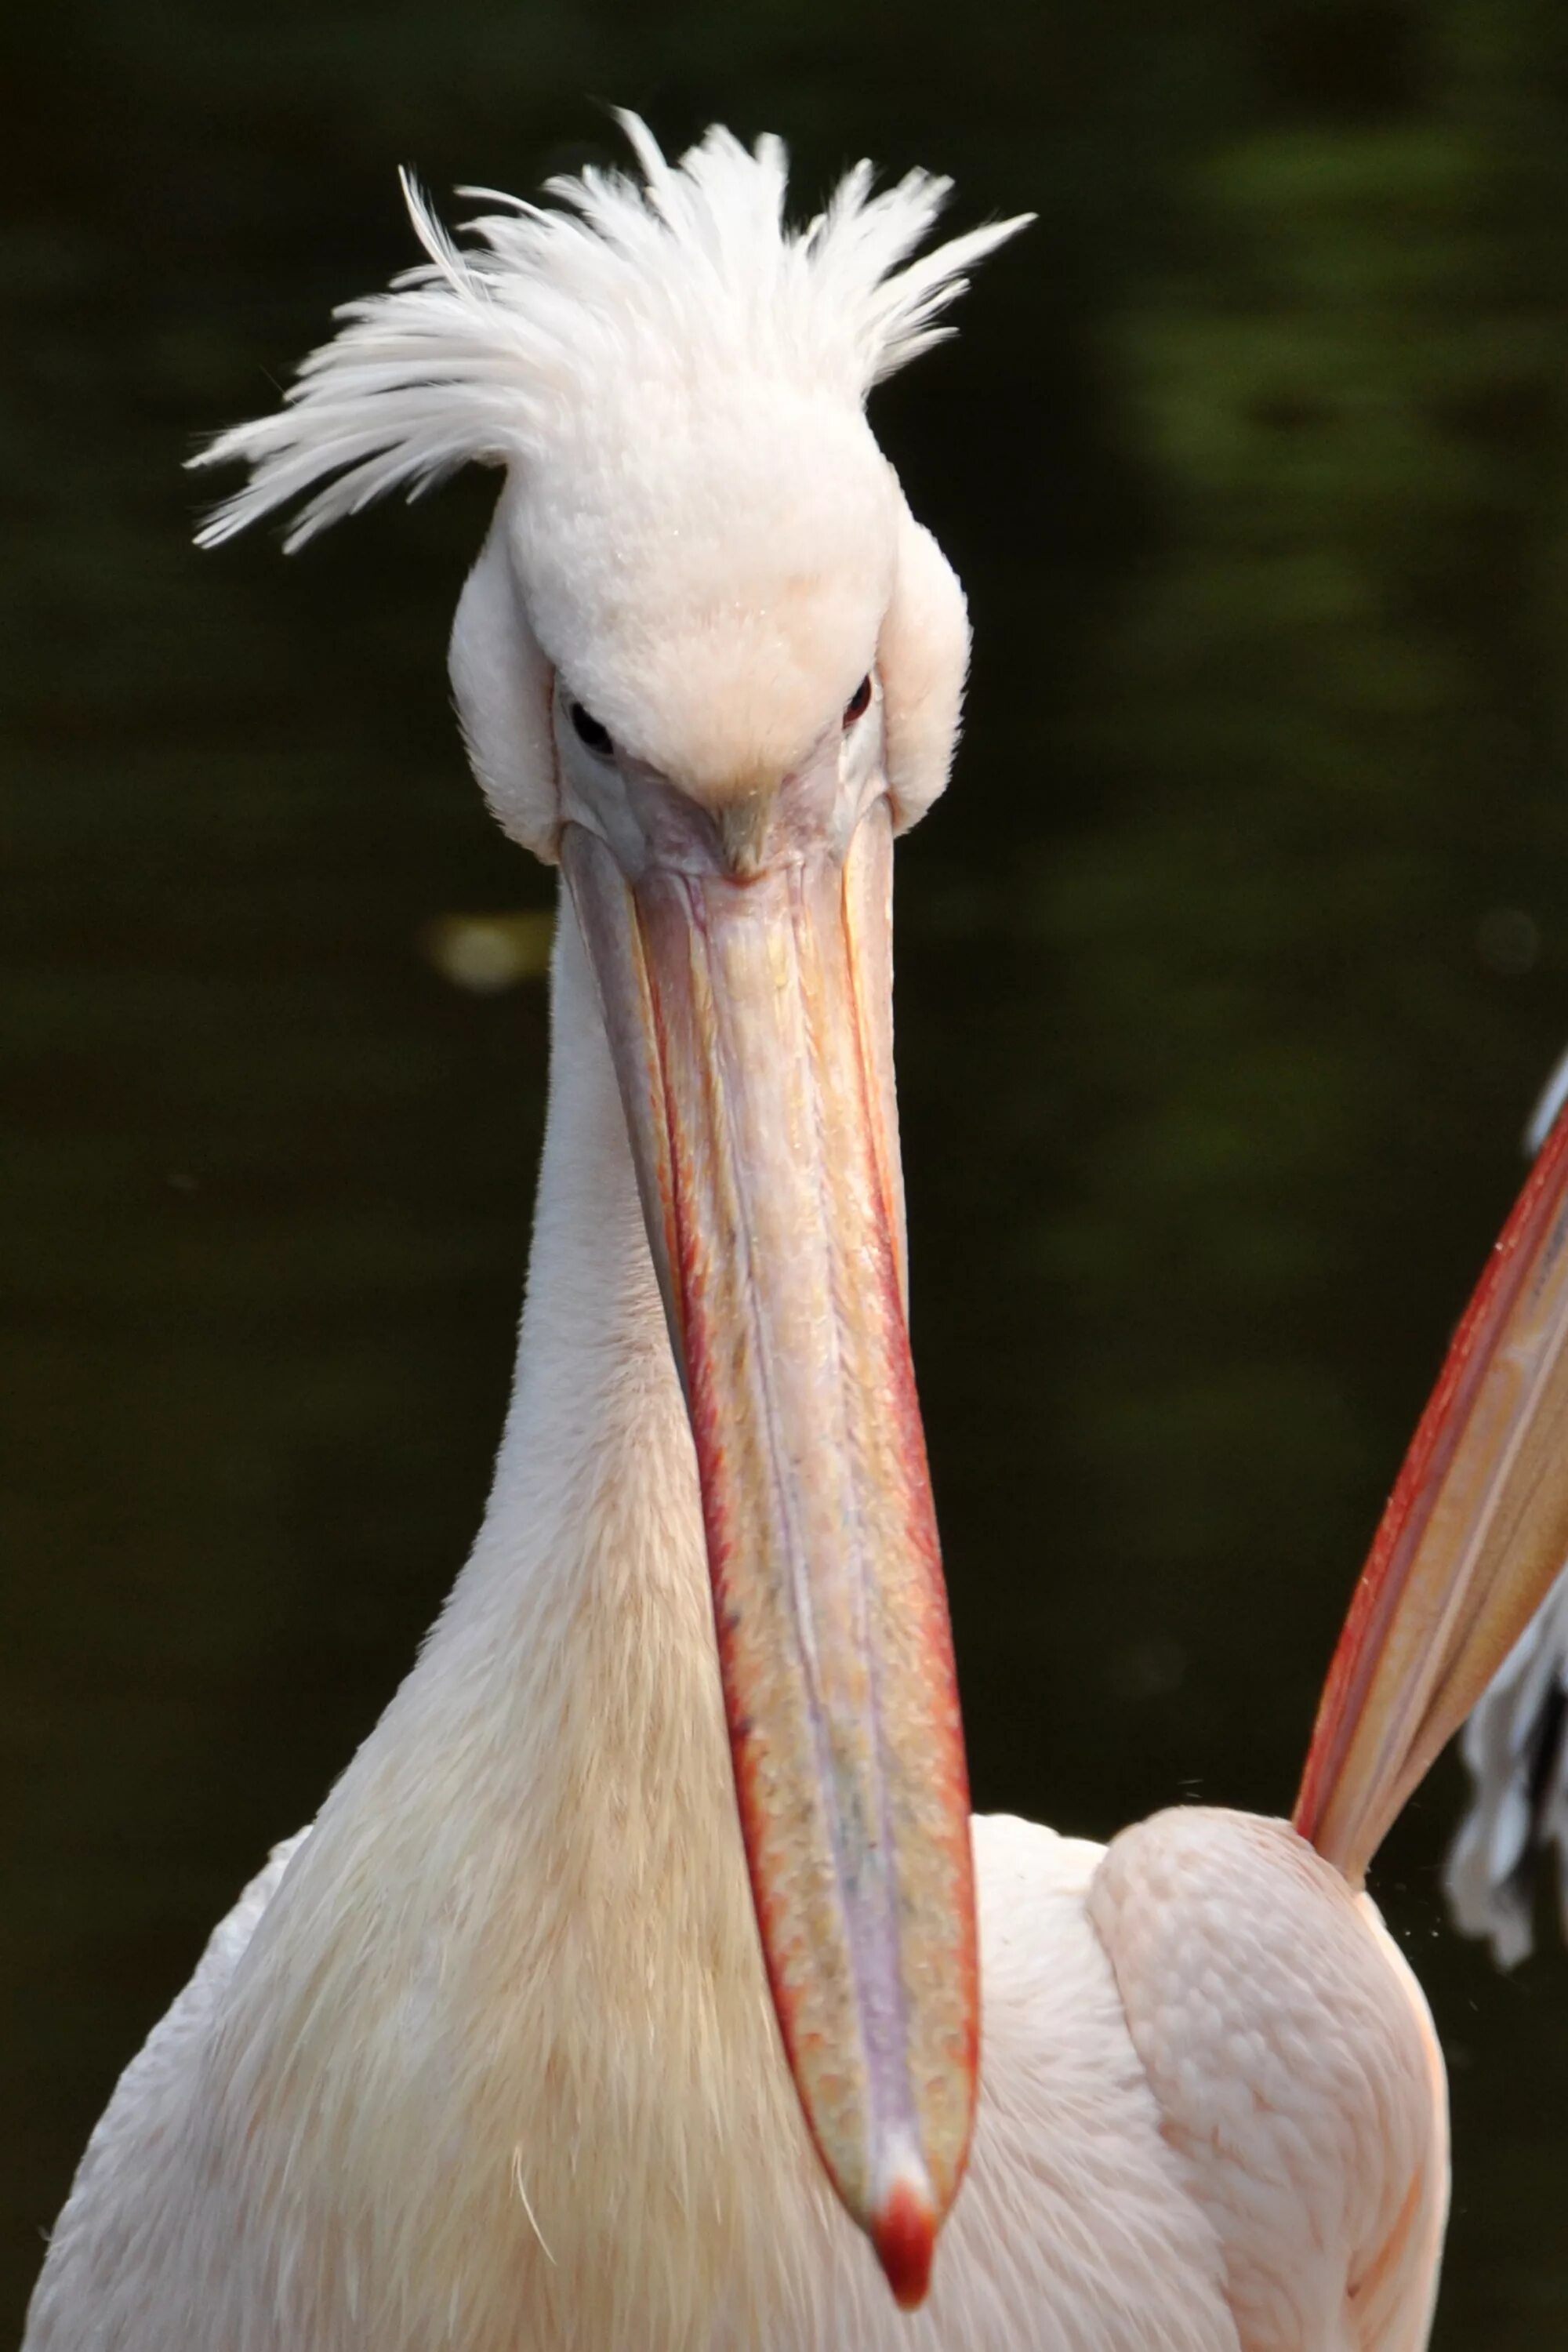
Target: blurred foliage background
{"x": 1227, "y": 969}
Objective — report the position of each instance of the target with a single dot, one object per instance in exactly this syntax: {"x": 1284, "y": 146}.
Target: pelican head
{"x": 709, "y": 664}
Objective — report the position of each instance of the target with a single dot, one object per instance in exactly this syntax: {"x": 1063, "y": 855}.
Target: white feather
{"x": 1514, "y": 1744}
{"x": 483, "y": 354}
{"x": 1519, "y": 1794}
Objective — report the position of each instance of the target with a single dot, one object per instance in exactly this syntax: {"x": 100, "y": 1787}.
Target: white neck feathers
{"x": 512, "y": 1980}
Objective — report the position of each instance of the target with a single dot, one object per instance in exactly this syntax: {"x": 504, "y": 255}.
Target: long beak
{"x": 1474, "y": 1534}
{"x": 751, "y": 1026}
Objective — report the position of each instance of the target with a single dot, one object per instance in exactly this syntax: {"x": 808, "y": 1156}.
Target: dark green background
{"x": 1226, "y": 969}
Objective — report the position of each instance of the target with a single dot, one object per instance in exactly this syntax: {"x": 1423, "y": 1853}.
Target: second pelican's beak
{"x": 1474, "y": 1535}
{"x": 750, "y": 1021}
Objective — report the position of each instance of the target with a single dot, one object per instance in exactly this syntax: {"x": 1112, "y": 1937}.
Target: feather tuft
{"x": 490, "y": 350}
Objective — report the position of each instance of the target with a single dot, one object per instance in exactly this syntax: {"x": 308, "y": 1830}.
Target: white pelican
{"x": 486, "y": 2058}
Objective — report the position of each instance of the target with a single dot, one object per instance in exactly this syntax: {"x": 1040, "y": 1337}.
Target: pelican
{"x": 625, "y": 1994}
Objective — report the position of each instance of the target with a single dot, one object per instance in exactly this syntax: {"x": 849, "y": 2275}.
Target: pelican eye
{"x": 859, "y": 701}
{"x": 587, "y": 730}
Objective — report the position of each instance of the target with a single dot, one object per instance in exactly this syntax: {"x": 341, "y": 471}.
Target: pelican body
{"x": 643, "y": 1985}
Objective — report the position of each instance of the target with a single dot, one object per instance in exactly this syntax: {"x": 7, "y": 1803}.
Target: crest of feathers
{"x": 486, "y": 351}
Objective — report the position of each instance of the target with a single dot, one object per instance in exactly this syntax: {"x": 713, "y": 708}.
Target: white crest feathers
{"x": 483, "y": 351}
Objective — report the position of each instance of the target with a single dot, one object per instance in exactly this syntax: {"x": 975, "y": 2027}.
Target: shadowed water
{"x": 1226, "y": 969}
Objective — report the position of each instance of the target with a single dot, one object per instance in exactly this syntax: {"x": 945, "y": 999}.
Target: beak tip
{"x": 903, "y": 2231}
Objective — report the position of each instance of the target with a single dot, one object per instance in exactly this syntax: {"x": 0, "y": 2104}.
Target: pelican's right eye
{"x": 587, "y": 730}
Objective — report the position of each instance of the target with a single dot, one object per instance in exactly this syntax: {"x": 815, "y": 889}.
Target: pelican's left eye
{"x": 588, "y": 730}
{"x": 859, "y": 703}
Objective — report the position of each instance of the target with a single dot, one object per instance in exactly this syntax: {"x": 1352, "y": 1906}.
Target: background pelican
{"x": 485, "y": 2055}
{"x": 1515, "y": 1745}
